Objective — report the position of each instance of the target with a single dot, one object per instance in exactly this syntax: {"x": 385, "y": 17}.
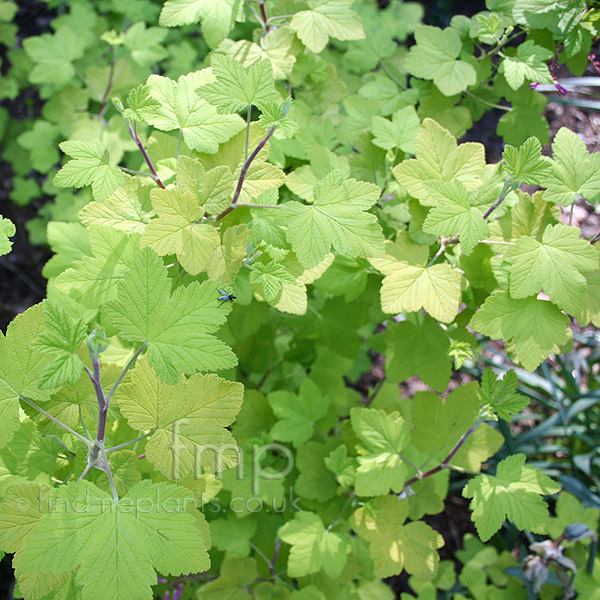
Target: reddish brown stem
{"x": 136, "y": 138}
{"x": 111, "y": 80}
{"x": 244, "y": 172}
{"x": 263, "y": 13}
{"x": 444, "y": 464}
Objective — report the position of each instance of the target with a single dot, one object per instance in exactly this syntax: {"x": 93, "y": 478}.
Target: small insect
{"x": 225, "y": 296}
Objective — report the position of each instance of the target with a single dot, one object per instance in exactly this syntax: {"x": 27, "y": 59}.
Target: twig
{"x": 111, "y": 80}
{"x": 249, "y": 205}
{"x": 376, "y": 391}
{"x": 391, "y": 75}
{"x": 87, "y": 435}
{"x": 124, "y": 372}
{"x": 490, "y": 104}
{"x": 446, "y": 462}
{"x": 134, "y": 172}
{"x": 268, "y": 372}
{"x": 248, "y": 122}
{"x": 55, "y": 420}
{"x": 263, "y": 12}
{"x": 142, "y": 437}
{"x": 134, "y": 136}
{"x": 244, "y": 172}
{"x": 275, "y": 555}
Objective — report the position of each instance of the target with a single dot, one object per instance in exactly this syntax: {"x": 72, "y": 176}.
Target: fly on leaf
{"x": 225, "y": 296}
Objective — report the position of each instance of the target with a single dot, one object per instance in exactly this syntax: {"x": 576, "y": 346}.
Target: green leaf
{"x": 435, "y": 56}
{"x": 40, "y": 141}
{"x": 144, "y": 43}
{"x": 524, "y": 120}
{"x": 536, "y": 327}
{"x": 419, "y": 349}
{"x": 409, "y": 287}
{"x": 238, "y": 86}
{"x": 178, "y": 230}
{"x": 337, "y": 218}
{"x": 102, "y": 541}
{"x": 7, "y": 230}
{"x": 89, "y": 165}
{"x": 439, "y": 158}
{"x": 20, "y": 514}
{"x": 569, "y": 510}
{"x": 439, "y": 424}
{"x": 218, "y": 16}
{"x": 175, "y": 326}
{"x": 128, "y": 208}
{"x": 325, "y": 19}
{"x": 179, "y": 107}
{"x": 501, "y": 394}
{"x": 190, "y": 419}
{"x": 313, "y": 547}
{"x": 232, "y": 535}
{"x": 20, "y": 368}
{"x": 343, "y": 466}
{"x": 527, "y": 65}
{"x": 260, "y": 176}
{"x": 382, "y": 437}
{"x": 455, "y": 214}
{"x": 93, "y": 279}
{"x": 526, "y": 163}
{"x": 274, "y": 114}
{"x": 139, "y": 104}
{"x": 236, "y": 575}
{"x": 575, "y": 173}
{"x": 557, "y": 265}
{"x": 297, "y": 415}
{"x": 61, "y": 340}
{"x": 267, "y": 279}
{"x": 400, "y": 132}
{"x": 52, "y": 55}
{"x": 213, "y": 188}
{"x": 315, "y": 481}
{"x": 514, "y": 494}
{"x": 394, "y": 545}
{"x": 227, "y": 258}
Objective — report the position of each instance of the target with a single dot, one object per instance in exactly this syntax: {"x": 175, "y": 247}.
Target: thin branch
{"x": 490, "y": 104}
{"x": 437, "y": 254}
{"x": 595, "y": 238}
{"x": 87, "y": 435}
{"x": 508, "y": 187}
{"x": 391, "y": 75}
{"x": 338, "y": 516}
{"x": 445, "y": 464}
{"x": 268, "y": 372}
{"x": 249, "y": 205}
{"x": 135, "y": 137}
{"x": 55, "y": 420}
{"x": 113, "y": 487}
{"x": 125, "y": 371}
{"x": 111, "y": 80}
{"x": 244, "y": 172}
{"x": 275, "y": 555}
{"x": 376, "y": 391}
{"x": 134, "y": 172}
{"x": 142, "y": 437}
{"x": 102, "y": 403}
{"x": 263, "y": 12}
{"x": 85, "y": 471}
{"x": 248, "y": 122}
